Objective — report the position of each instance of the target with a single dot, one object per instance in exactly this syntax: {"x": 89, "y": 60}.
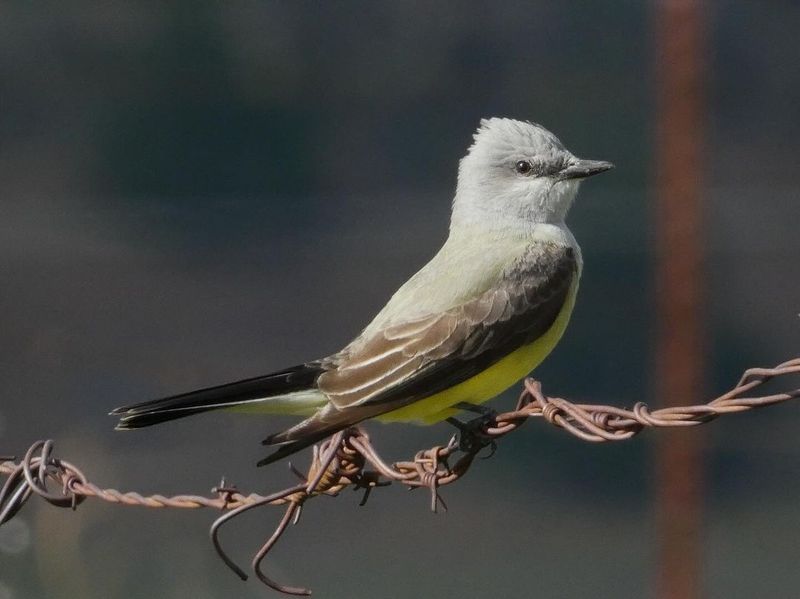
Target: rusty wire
{"x": 349, "y": 459}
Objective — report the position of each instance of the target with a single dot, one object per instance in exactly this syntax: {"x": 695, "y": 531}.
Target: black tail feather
{"x": 323, "y": 424}
{"x": 292, "y": 447}
{"x": 297, "y": 378}
{"x": 129, "y": 423}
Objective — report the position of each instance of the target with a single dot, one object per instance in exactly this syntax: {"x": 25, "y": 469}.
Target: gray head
{"x": 516, "y": 172}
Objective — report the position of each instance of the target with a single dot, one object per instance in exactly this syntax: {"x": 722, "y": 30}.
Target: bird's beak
{"x": 580, "y": 169}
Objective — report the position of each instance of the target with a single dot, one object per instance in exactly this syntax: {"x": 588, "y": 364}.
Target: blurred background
{"x": 196, "y": 192}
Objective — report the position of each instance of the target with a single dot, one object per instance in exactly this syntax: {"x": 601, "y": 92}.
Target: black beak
{"x": 580, "y": 169}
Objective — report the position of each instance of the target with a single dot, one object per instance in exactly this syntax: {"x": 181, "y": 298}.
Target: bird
{"x": 476, "y": 319}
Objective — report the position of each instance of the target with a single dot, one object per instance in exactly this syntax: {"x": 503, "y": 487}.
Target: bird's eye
{"x": 523, "y": 167}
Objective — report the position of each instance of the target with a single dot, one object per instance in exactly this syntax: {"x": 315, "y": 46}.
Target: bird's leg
{"x": 488, "y": 413}
{"x": 472, "y": 436}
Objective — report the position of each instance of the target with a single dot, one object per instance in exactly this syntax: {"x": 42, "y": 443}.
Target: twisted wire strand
{"x": 349, "y": 459}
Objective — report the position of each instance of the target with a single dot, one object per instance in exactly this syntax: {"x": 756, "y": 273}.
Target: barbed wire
{"x": 349, "y": 459}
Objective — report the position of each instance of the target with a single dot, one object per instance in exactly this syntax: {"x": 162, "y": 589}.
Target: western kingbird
{"x": 480, "y": 316}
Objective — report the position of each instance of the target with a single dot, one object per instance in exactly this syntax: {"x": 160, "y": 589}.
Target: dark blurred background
{"x": 200, "y": 192}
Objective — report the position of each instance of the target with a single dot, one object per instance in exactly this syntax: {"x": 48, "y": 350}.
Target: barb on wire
{"x": 349, "y": 459}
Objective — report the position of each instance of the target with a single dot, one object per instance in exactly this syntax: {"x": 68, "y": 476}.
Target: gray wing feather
{"x": 419, "y": 358}
{"x": 542, "y": 278}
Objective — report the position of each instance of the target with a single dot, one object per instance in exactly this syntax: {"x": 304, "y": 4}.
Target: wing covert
{"x": 412, "y": 360}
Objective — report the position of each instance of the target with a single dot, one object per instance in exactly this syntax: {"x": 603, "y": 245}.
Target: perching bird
{"x": 480, "y": 316}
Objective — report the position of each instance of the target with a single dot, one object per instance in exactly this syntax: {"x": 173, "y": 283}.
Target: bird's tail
{"x": 284, "y": 392}
{"x": 322, "y": 424}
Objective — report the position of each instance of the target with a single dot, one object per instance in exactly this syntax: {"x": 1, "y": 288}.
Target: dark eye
{"x": 523, "y": 167}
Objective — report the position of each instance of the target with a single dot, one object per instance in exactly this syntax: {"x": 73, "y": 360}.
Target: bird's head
{"x": 518, "y": 172}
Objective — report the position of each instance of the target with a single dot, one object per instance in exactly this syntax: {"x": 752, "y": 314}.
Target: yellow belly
{"x": 492, "y": 381}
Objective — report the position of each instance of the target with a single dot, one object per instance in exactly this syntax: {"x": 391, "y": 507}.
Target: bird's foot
{"x": 472, "y": 435}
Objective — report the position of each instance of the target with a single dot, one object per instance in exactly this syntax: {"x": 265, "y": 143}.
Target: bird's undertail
{"x": 284, "y": 392}
{"x": 322, "y": 424}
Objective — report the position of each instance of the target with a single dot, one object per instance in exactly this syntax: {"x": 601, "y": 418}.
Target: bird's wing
{"x": 419, "y": 358}
{"x": 406, "y": 362}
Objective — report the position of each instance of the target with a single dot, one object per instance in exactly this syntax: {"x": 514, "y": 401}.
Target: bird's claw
{"x": 472, "y": 436}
